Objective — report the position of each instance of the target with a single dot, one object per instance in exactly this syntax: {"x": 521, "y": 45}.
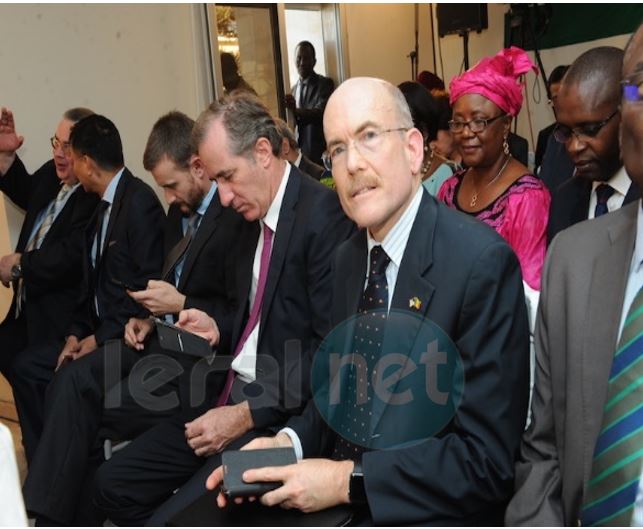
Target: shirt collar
{"x": 620, "y": 181}
{"x": 395, "y": 241}
{"x": 207, "y": 199}
{"x": 272, "y": 217}
{"x": 299, "y": 157}
{"x": 110, "y": 192}
{"x": 638, "y": 245}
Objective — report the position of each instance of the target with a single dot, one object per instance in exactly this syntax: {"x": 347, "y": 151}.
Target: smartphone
{"x": 236, "y": 462}
{"x": 128, "y": 285}
{"x": 176, "y": 339}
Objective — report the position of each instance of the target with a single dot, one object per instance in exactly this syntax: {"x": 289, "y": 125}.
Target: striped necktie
{"x": 37, "y": 239}
{"x": 618, "y": 456}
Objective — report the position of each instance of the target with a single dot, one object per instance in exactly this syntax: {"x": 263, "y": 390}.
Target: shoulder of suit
{"x": 592, "y": 230}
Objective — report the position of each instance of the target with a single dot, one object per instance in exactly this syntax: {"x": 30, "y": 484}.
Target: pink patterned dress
{"x": 520, "y": 215}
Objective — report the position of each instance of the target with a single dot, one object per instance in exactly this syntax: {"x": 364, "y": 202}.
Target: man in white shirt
{"x": 580, "y": 461}
{"x": 282, "y": 261}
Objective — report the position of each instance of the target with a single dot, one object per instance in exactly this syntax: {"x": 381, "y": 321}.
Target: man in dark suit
{"x": 95, "y": 397}
{"x": 122, "y": 244}
{"x": 421, "y": 260}
{"x": 283, "y": 283}
{"x": 580, "y": 461}
{"x": 45, "y": 267}
{"x": 308, "y": 100}
{"x": 291, "y": 152}
{"x": 588, "y": 118}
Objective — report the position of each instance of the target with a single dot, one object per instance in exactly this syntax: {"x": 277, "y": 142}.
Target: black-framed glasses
{"x": 563, "y": 133}
{"x": 57, "y": 144}
{"x": 367, "y": 142}
{"x": 632, "y": 89}
{"x": 475, "y": 125}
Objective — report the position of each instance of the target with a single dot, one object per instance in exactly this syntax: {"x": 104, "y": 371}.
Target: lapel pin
{"x": 415, "y": 303}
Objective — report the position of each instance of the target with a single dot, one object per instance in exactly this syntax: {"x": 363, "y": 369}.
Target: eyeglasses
{"x": 632, "y": 89}
{"x": 57, "y": 144}
{"x": 563, "y": 133}
{"x": 475, "y": 125}
{"x": 367, "y": 142}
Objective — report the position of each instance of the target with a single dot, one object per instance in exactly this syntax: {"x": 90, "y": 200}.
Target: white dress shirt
{"x": 620, "y": 182}
{"x": 246, "y": 361}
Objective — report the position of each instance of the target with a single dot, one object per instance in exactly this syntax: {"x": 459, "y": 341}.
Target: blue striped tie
{"x": 618, "y": 456}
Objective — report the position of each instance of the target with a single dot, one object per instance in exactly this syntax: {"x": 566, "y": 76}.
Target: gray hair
{"x": 77, "y": 113}
{"x": 287, "y": 133}
{"x": 245, "y": 119}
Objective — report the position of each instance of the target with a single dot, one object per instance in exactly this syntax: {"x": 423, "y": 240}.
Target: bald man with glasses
{"x": 587, "y": 121}
{"x": 45, "y": 267}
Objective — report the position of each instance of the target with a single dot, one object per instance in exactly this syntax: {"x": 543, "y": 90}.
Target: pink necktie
{"x": 255, "y": 311}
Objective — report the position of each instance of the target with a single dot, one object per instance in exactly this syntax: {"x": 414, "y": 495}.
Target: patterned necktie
{"x": 37, "y": 239}
{"x": 603, "y": 194}
{"x": 255, "y": 311}
{"x": 355, "y": 414}
{"x": 180, "y": 249}
{"x": 616, "y": 468}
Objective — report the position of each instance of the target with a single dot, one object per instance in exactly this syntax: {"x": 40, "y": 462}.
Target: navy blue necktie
{"x": 603, "y": 194}
{"x": 354, "y": 419}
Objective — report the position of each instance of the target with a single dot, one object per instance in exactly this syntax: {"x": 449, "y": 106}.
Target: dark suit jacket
{"x": 207, "y": 280}
{"x": 132, "y": 253}
{"x": 309, "y": 116}
{"x": 541, "y": 144}
{"x": 582, "y": 296}
{"x": 468, "y": 282}
{"x": 311, "y": 168}
{"x": 519, "y": 148}
{"x": 296, "y": 305}
{"x": 50, "y": 273}
{"x": 570, "y": 204}
{"x": 557, "y": 166}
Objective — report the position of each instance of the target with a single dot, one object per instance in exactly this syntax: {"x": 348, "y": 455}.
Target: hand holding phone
{"x": 236, "y": 462}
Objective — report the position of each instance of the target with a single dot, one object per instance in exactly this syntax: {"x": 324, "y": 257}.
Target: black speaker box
{"x": 456, "y": 18}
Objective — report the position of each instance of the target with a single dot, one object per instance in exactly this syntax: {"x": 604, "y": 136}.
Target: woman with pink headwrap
{"x": 496, "y": 188}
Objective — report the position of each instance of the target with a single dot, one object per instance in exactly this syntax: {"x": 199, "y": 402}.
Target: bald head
{"x": 596, "y": 75}
{"x": 384, "y": 94}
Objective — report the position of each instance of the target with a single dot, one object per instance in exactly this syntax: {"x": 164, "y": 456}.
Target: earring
{"x": 505, "y": 146}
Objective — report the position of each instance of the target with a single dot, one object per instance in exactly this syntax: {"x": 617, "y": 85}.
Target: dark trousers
{"x": 101, "y": 395}
{"x": 136, "y": 486}
{"x": 29, "y": 367}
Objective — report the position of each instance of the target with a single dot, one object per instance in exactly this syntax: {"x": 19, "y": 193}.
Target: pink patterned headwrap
{"x": 496, "y": 78}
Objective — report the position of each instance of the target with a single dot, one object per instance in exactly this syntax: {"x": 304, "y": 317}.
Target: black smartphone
{"x": 181, "y": 341}
{"x": 128, "y": 285}
{"x": 236, "y": 462}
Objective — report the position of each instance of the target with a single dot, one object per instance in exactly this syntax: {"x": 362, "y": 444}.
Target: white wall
{"x": 380, "y": 36}
{"x": 490, "y": 41}
{"x": 131, "y": 63}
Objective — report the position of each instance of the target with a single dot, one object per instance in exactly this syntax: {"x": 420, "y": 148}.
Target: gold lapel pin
{"x": 415, "y": 303}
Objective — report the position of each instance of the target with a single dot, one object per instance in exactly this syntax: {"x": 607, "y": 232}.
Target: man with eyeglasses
{"x": 45, "y": 267}
{"x": 414, "y": 263}
{"x": 587, "y": 116}
{"x": 581, "y": 460}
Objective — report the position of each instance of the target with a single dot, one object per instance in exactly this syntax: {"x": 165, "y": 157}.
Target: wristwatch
{"x": 356, "y": 489}
{"x": 16, "y": 272}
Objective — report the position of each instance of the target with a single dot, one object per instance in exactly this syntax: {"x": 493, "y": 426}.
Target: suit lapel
{"x": 116, "y": 207}
{"x": 607, "y": 292}
{"x": 206, "y": 230}
{"x": 633, "y": 194}
{"x": 281, "y": 241}
{"x": 413, "y": 287}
